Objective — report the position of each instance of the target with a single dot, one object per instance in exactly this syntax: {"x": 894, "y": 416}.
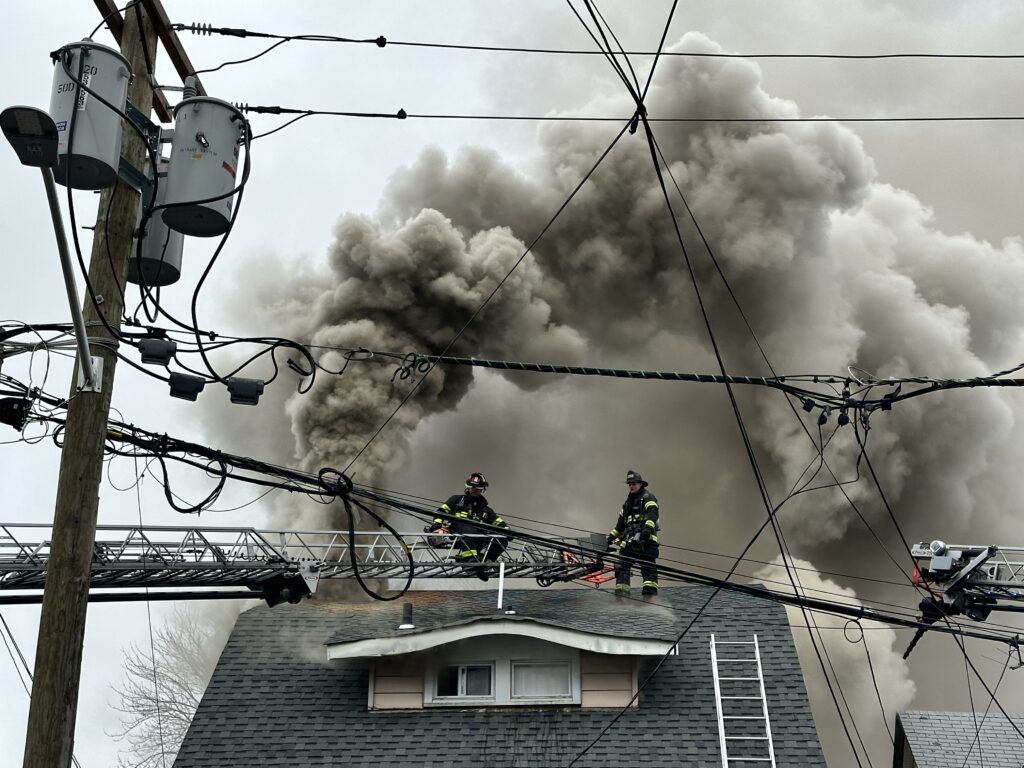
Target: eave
{"x": 425, "y": 640}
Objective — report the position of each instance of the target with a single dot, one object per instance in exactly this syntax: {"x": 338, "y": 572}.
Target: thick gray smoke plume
{"x": 861, "y": 659}
{"x": 414, "y": 288}
{"x": 832, "y": 268}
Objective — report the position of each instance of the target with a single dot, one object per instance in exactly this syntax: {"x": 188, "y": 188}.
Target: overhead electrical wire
{"x": 641, "y": 116}
{"x": 403, "y": 114}
{"x": 23, "y": 670}
{"x": 383, "y": 42}
{"x": 871, "y": 670}
{"x": 330, "y": 484}
{"x": 498, "y": 286}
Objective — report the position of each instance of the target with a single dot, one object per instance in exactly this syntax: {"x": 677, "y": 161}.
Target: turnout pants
{"x": 637, "y": 554}
{"x": 480, "y": 545}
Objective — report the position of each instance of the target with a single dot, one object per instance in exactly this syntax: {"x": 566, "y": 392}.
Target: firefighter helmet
{"x": 476, "y": 480}
{"x": 634, "y": 477}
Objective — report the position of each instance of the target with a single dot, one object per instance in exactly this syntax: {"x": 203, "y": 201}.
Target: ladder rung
{"x": 747, "y": 738}
{"x": 754, "y": 698}
{"x": 739, "y": 678}
{"x": 743, "y": 717}
{"x": 734, "y": 642}
{"x": 751, "y": 661}
{"x": 748, "y": 759}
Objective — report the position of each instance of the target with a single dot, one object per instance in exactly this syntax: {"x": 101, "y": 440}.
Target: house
{"x": 449, "y": 678}
{"x": 955, "y": 739}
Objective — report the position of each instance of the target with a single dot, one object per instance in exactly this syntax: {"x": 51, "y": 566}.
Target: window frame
{"x": 570, "y": 697}
{"x": 434, "y": 672}
{"x": 502, "y": 670}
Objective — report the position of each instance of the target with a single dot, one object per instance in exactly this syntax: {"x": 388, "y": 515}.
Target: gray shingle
{"x": 955, "y": 739}
{"x": 275, "y": 700}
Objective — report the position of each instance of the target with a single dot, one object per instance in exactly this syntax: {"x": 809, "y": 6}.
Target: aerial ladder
{"x": 967, "y": 579}
{"x": 178, "y": 563}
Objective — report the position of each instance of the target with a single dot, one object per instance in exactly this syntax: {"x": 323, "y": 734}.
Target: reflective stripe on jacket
{"x": 639, "y": 513}
{"x": 472, "y": 509}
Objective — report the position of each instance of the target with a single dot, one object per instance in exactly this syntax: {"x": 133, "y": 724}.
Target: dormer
{"x": 504, "y": 658}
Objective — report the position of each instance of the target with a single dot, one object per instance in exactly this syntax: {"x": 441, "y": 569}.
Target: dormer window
{"x": 465, "y": 681}
{"x": 502, "y": 681}
{"x": 532, "y": 680}
{"x": 501, "y": 671}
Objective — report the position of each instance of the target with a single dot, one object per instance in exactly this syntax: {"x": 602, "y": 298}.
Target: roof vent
{"x": 407, "y": 617}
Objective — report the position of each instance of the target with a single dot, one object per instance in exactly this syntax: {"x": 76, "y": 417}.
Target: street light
{"x": 33, "y": 134}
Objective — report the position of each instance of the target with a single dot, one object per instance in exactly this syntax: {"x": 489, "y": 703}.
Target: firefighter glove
{"x": 645, "y": 535}
{"x": 608, "y": 543}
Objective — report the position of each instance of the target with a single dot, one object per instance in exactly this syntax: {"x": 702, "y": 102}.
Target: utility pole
{"x": 58, "y": 663}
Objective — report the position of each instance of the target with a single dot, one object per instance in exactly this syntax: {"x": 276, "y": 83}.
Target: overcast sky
{"x": 304, "y": 177}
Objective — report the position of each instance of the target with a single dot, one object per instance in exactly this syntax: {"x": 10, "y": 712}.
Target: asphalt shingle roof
{"x": 589, "y": 611}
{"x": 275, "y": 700}
{"x": 947, "y": 739}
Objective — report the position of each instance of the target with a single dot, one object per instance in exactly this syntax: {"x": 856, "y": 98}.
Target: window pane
{"x": 547, "y": 680}
{"x": 448, "y": 681}
{"x": 478, "y": 681}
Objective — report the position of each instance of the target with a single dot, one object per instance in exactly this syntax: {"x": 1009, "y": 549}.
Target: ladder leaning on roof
{"x": 744, "y": 732}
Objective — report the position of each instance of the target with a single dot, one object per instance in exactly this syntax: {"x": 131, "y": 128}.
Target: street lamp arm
{"x": 87, "y": 364}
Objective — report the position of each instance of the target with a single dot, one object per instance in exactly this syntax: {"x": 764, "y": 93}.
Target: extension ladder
{"x": 744, "y": 732}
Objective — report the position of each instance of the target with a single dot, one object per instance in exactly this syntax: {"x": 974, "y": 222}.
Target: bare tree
{"x": 162, "y": 689}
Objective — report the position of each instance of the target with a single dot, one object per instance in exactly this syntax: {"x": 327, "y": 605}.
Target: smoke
{"x": 862, "y": 661}
{"x": 834, "y": 270}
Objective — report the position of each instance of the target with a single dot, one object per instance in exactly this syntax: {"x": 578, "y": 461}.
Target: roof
{"x": 947, "y": 739}
{"x": 586, "y": 611}
{"x": 586, "y": 620}
{"x": 276, "y": 700}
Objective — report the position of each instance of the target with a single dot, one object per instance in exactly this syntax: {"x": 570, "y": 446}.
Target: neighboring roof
{"x": 275, "y": 700}
{"x": 956, "y": 739}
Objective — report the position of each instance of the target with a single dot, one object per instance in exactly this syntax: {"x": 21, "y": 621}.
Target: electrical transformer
{"x": 203, "y": 166}
{"x": 160, "y": 263}
{"x": 88, "y": 131}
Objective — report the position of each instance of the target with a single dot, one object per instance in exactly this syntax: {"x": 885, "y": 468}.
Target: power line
{"x": 9, "y": 641}
{"x": 403, "y": 114}
{"x": 383, "y": 42}
{"x": 493, "y": 292}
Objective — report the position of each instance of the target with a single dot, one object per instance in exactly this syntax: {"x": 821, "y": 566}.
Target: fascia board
{"x": 422, "y": 641}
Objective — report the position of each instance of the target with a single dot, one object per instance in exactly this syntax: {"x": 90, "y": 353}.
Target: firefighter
{"x": 636, "y": 532}
{"x": 474, "y": 518}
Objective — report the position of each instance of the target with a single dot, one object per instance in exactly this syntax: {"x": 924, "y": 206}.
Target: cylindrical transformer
{"x": 88, "y": 131}
{"x": 204, "y": 163}
{"x": 160, "y": 263}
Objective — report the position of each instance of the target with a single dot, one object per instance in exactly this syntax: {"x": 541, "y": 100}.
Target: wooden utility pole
{"x": 58, "y": 663}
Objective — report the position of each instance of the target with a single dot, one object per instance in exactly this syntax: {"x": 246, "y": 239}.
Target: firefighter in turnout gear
{"x": 474, "y": 520}
{"x": 636, "y": 532}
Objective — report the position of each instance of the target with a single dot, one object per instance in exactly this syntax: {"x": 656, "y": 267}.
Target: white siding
{"x": 396, "y": 683}
{"x": 607, "y": 681}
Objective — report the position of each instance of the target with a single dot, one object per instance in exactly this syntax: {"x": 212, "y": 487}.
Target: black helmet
{"x": 634, "y": 477}
{"x": 476, "y": 480}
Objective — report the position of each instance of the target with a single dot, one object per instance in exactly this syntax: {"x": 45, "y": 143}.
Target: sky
{"x": 933, "y": 194}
